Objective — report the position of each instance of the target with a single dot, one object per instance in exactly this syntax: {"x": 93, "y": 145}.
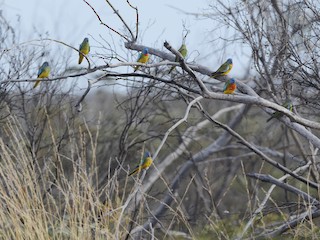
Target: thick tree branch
{"x": 268, "y": 178}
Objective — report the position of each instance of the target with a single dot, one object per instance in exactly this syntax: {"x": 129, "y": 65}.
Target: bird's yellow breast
{"x": 85, "y": 49}
{"x": 44, "y": 73}
{"x": 147, "y": 163}
{"x": 144, "y": 58}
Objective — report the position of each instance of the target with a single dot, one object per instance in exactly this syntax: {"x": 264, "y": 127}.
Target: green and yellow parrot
{"x": 183, "y": 50}
{"x": 143, "y": 58}
{"x": 145, "y": 164}
{"x": 84, "y": 49}
{"x": 287, "y": 104}
{"x": 43, "y": 72}
{"x": 224, "y": 69}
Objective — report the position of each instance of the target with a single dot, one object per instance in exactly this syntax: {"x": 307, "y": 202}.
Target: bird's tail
{"x": 269, "y": 119}
{"x": 214, "y": 75}
{"x": 136, "y": 170}
{"x": 171, "y": 69}
{"x": 136, "y": 68}
{"x": 80, "y": 58}
{"x": 36, "y": 84}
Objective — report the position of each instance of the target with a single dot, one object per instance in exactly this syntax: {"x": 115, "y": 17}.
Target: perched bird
{"x": 43, "y": 72}
{"x": 230, "y": 86}
{"x": 143, "y": 58}
{"x": 84, "y": 49}
{"x": 183, "y": 50}
{"x": 224, "y": 69}
{"x": 287, "y": 104}
{"x": 144, "y": 164}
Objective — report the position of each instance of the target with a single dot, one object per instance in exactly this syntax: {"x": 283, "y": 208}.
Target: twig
{"x": 104, "y": 24}
{"x": 137, "y": 20}
{"x": 121, "y": 19}
{"x": 79, "y": 105}
{"x": 90, "y": 82}
{"x": 184, "y": 119}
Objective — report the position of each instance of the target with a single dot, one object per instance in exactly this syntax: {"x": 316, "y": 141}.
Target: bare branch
{"x": 122, "y": 20}
{"x": 104, "y": 24}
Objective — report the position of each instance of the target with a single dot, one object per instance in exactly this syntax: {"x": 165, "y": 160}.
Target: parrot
{"x": 230, "y": 86}
{"x": 183, "y": 50}
{"x": 223, "y": 70}
{"x": 145, "y": 164}
{"x": 143, "y": 58}
{"x": 43, "y": 72}
{"x": 287, "y": 104}
{"x": 84, "y": 49}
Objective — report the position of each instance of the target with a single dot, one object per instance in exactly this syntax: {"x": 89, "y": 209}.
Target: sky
{"x": 72, "y": 20}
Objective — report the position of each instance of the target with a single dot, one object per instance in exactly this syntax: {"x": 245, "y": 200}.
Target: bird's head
{"x": 145, "y": 51}
{"x": 86, "y": 40}
{"x": 229, "y": 61}
{"x": 147, "y": 154}
{"x": 45, "y": 64}
{"x": 232, "y": 80}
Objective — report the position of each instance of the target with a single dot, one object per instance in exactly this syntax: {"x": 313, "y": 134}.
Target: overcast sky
{"x": 72, "y": 20}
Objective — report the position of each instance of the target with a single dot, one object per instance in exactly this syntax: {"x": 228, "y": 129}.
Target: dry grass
{"x": 46, "y": 203}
